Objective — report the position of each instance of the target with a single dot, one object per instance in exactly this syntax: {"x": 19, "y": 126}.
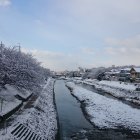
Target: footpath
{"x": 36, "y": 119}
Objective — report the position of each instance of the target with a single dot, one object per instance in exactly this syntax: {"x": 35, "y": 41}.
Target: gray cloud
{"x": 79, "y": 28}
{"x": 58, "y": 61}
{"x": 124, "y": 51}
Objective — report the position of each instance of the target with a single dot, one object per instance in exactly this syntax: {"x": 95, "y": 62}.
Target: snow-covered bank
{"x": 114, "y": 84}
{"x": 127, "y": 95}
{"x": 39, "y": 121}
{"x": 21, "y": 92}
{"x": 8, "y": 106}
{"x": 8, "y": 100}
{"x": 105, "y": 112}
{"x": 120, "y": 85}
{"x": 121, "y": 90}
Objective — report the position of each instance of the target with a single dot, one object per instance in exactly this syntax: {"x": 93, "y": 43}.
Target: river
{"x": 71, "y": 118}
{"x": 72, "y": 122}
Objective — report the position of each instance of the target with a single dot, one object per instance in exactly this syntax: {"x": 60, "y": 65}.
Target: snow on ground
{"x": 113, "y": 84}
{"x": 7, "y": 106}
{"x": 8, "y": 101}
{"x": 131, "y": 96}
{"x": 21, "y": 92}
{"x": 125, "y": 91}
{"x": 106, "y": 112}
{"x": 118, "y": 84}
{"x": 41, "y": 119}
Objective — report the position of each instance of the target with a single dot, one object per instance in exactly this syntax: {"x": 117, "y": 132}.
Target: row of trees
{"x": 20, "y": 69}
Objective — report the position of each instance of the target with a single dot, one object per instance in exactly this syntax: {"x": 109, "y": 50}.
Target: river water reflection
{"x": 71, "y": 118}
{"x": 73, "y": 124}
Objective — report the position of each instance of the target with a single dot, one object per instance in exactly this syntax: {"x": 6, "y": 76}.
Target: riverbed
{"x": 71, "y": 117}
{"x": 74, "y": 124}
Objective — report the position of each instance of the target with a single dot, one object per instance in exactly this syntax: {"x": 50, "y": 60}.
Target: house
{"x": 112, "y": 74}
{"x": 135, "y": 73}
{"x": 125, "y": 71}
{"x": 124, "y": 75}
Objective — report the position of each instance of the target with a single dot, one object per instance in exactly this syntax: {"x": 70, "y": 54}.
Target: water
{"x": 71, "y": 118}
{"x": 73, "y": 123}
{"x": 91, "y": 88}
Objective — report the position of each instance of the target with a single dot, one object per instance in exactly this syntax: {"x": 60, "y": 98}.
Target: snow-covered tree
{"x": 94, "y": 72}
{"x": 20, "y": 69}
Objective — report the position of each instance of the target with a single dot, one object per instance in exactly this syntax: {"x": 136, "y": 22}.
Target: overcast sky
{"x": 66, "y": 34}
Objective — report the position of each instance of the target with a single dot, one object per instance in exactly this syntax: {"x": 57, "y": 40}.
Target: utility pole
{"x": 19, "y": 47}
{"x": 1, "y": 45}
{"x": 1, "y": 104}
{"x": 1, "y": 48}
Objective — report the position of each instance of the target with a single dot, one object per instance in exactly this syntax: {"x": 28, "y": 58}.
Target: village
{"x": 32, "y": 107}
{"x": 113, "y": 93}
{"x": 69, "y": 70}
{"x": 129, "y": 74}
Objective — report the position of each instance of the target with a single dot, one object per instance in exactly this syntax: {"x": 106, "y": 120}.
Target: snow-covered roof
{"x": 126, "y": 69}
{"x": 116, "y": 72}
{"x": 137, "y": 69}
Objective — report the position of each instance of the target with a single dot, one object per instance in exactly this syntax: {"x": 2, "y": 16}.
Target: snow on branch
{"x": 20, "y": 69}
